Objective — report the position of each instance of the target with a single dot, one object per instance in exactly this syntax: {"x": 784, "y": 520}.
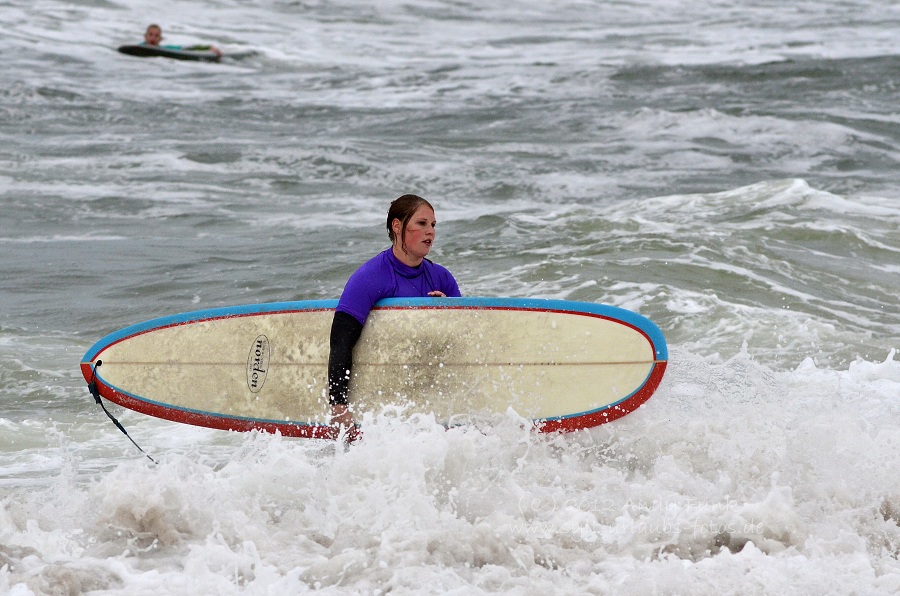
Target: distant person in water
{"x": 153, "y": 35}
{"x": 400, "y": 271}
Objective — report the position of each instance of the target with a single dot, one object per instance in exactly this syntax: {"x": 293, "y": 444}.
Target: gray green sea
{"x": 727, "y": 169}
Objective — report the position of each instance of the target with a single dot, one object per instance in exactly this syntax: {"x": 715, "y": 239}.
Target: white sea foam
{"x": 729, "y": 465}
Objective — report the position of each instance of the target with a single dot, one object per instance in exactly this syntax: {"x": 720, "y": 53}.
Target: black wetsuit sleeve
{"x": 345, "y": 332}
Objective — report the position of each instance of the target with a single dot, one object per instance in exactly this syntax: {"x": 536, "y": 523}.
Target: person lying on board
{"x": 400, "y": 271}
{"x": 154, "y": 35}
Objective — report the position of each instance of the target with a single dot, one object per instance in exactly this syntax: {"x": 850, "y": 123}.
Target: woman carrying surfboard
{"x": 401, "y": 271}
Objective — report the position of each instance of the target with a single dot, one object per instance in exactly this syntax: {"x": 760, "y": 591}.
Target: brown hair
{"x": 403, "y": 208}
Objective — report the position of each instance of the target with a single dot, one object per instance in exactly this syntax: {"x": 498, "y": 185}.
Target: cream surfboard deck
{"x": 565, "y": 365}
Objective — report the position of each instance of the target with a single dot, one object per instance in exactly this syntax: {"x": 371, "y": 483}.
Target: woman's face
{"x": 420, "y": 233}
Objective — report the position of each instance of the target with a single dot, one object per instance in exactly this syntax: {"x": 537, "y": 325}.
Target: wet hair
{"x": 403, "y": 208}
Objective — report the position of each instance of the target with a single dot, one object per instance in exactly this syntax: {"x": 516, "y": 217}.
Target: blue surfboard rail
{"x": 205, "y": 315}
{"x": 612, "y": 312}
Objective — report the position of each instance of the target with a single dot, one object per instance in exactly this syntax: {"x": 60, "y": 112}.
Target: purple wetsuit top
{"x": 384, "y": 276}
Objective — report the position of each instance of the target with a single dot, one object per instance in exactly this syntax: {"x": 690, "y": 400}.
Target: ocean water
{"x": 727, "y": 169}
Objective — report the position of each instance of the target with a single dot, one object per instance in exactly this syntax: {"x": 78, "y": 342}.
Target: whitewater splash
{"x": 789, "y": 472}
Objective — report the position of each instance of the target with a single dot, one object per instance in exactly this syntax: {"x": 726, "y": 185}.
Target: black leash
{"x": 92, "y": 387}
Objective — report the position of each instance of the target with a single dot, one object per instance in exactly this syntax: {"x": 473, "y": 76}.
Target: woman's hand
{"x": 437, "y": 294}
{"x": 342, "y": 421}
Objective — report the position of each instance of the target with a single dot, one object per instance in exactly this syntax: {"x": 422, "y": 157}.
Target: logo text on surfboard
{"x": 258, "y": 363}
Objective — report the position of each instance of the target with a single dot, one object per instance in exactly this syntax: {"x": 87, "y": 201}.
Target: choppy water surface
{"x": 728, "y": 171}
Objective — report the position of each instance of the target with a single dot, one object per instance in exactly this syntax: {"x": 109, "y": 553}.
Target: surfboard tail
{"x": 592, "y": 419}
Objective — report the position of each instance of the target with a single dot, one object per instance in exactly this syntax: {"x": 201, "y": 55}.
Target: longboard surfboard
{"x": 564, "y": 365}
